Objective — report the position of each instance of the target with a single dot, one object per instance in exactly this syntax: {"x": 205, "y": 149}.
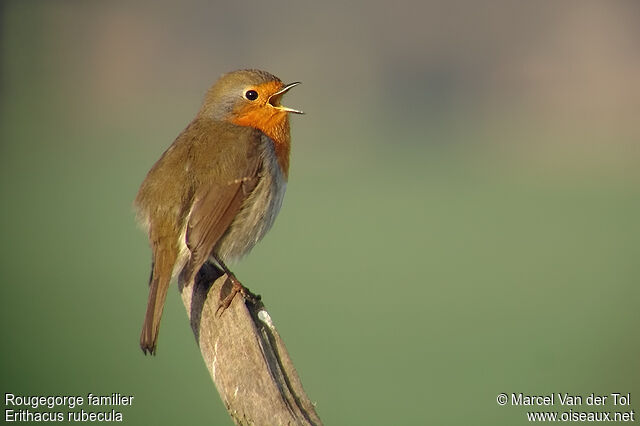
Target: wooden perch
{"x": 245, "y": 355}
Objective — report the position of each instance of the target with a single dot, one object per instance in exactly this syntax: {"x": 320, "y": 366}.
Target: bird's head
{"x": 250, "y": 98}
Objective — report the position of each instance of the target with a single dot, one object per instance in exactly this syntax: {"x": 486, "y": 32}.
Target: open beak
{"x": 274, "y": 100}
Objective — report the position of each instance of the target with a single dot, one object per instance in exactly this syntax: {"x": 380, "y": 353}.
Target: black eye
{"x": 252, "y": 95}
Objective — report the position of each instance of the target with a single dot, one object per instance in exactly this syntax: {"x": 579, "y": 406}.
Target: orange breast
{"x": 272, "y": 123}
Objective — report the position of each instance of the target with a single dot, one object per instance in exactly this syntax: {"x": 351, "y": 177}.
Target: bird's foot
{"x": 237, "y": 287}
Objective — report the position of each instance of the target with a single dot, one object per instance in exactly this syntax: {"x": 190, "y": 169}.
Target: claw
{"x": 236, "y": 287}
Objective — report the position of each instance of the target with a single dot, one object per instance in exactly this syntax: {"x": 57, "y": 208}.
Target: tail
{"x": 162, "y": 268}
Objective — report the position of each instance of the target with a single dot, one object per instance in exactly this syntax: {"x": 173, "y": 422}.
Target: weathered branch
{"x": 245, "y": 355}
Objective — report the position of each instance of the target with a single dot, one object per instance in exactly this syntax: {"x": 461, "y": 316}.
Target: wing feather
{"x": 211, "y": 216}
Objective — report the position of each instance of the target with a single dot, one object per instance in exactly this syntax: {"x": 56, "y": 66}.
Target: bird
{"x": 216, "y": 191}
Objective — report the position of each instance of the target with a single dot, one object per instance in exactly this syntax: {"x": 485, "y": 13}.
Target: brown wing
{"x": 212, "y": 215}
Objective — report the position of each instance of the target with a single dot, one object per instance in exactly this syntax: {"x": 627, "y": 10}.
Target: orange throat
{"x": 273, "y": 124}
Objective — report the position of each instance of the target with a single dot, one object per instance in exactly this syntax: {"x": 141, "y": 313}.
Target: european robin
{"x": 217, "y": 190}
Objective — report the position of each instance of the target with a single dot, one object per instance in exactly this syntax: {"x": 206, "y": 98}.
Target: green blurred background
{"x": 462, "y": 217}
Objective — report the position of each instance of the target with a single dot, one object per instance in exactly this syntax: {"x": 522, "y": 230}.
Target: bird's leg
{"x": 236, "y": 287}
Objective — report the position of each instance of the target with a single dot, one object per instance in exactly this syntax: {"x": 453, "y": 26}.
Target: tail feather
{"x": 164, "y": 259}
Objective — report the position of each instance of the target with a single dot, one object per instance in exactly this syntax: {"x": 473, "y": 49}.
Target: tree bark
{"x": 245, "y": 355}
